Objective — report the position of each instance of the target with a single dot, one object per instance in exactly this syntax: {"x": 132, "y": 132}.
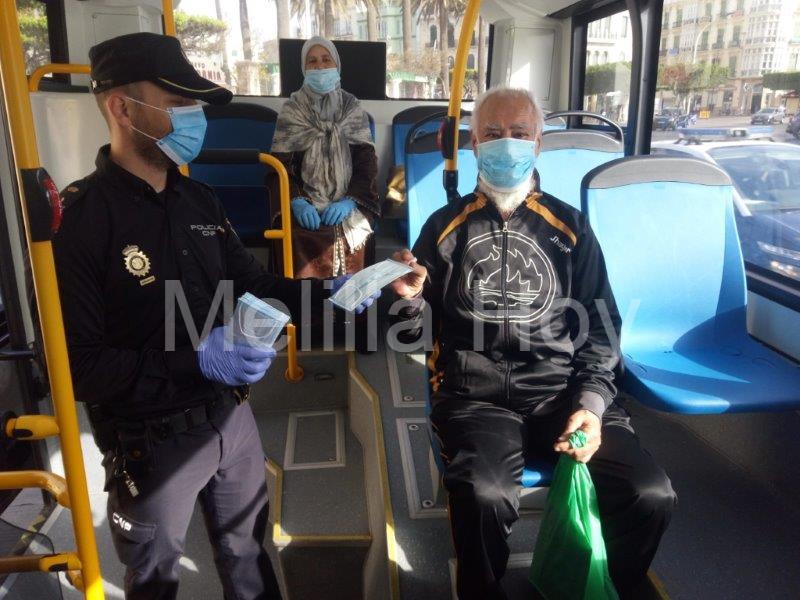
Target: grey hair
{"x": 504, "y": 93}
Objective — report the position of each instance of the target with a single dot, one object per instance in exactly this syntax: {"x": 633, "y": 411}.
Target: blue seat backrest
{"x": 402, "y": 124}
{"x": 424, "y": 165}
{"x": 668, "y": 232}
{"x": 567, "y": 155}
{"x": 241, "y": 188}
{"x": 236, "y": 125}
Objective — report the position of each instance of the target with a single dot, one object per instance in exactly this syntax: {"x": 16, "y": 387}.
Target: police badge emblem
{"x": 136, "y": 261}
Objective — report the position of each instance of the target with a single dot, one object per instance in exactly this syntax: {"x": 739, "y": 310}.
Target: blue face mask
{"x": 184, "y": 142}
{"x": 507, "y": 163}
{"x": 322, "y": 81}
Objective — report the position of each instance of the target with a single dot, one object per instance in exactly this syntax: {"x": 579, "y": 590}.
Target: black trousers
{"x": 484, "y": 446}
{"x": 221, "y": 463}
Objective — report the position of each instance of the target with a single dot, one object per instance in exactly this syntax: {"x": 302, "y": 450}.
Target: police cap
{"x": 150, "y": 57}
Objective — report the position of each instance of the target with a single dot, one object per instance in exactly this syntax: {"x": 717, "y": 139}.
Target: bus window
{"x": 236, "y": 43}
{"x": 729, "y": 79}
{"x": 32, "y": 15}
{"x": 607, "y": 78}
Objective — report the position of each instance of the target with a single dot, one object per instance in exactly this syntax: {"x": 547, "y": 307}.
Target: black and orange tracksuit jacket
{"x": 522, "y": 310}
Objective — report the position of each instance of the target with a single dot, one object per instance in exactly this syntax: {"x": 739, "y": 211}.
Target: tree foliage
{"x": 788, "y": 80}
{"x": 610, "y": 77}
{"x": 683, "y": 78}
{"x": 33, "y": 29}
{"x": 200, "y": 35}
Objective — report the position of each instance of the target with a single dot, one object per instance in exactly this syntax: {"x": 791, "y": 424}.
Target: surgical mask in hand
{"x": 322, "y": 81}
{"x": 256, "y": 323}
{"x": 184, "y": 142}
{"x": 507, "y": 163}
{"x": 367, "y": 282}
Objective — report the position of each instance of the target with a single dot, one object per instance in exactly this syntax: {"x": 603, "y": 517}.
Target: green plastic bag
{"x": 569, "y": 562}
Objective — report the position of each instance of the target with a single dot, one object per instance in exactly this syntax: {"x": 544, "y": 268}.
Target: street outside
{"x": 779, "y": 135}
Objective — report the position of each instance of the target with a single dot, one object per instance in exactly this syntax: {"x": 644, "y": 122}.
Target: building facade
{"x": 748, "y": 37}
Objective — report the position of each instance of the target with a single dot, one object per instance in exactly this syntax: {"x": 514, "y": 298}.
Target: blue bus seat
{"x": 402, "y": 124}
{"x": 668, "y": 233}
{"x": 242, "y": 188}
{"x": 424, "y": 167}
{"x": 371, "y": 125}
{"x": 567, "y": 155}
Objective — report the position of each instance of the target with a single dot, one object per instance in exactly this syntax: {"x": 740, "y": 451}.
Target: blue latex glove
{"x": 234, "y": 365}
{"x": 338, "y": 211}
{"x": 339, "y": 282}
{"x": 305, "y": 213}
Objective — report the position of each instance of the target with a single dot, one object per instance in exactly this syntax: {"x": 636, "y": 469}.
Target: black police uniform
{"x": 169, "y": 435}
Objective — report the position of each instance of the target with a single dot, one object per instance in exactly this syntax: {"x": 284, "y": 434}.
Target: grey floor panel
{"x": 424, "y": 496}
{"x": 730, "y": 537}
{"x": 333, "y": 501}
{"x": 323, "y": 387}
{"x": 315, "y": 439}
{"x": 329, "y": 573}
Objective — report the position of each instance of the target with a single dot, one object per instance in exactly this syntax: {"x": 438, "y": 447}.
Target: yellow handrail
{"x": 459, "y": 69}
{"x": 23, "y": 140}
{"x": 36, "y": 77}
{"x": 169, "y": 18}
{"x": 294, "y": 372}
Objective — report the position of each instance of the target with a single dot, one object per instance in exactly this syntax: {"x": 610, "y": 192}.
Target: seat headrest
{"x": 648, "y": 169}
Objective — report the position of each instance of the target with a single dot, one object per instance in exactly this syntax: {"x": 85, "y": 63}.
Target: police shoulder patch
{"x": 73, "y": 192}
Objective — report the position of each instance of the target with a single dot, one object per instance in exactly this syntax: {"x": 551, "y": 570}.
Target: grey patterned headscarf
{"x": 323, "y": 126}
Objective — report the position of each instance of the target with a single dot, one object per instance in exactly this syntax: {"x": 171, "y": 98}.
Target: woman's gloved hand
{"x": 305, "y": 214}
{"x": 338, "y": 211}
{"x": 232, "y": 365}
{"x": 337, "y": 283}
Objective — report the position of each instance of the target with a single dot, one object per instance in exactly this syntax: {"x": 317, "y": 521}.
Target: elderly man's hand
{"x": 590, "y": 423}
{"x": 409, "y": 285}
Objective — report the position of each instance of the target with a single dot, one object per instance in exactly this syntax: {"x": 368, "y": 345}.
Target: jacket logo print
{"x": 518, "y": 285}
{"x": 136, "y": 261}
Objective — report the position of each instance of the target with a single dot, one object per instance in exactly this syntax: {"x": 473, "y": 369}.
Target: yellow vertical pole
{"x": 20, "y": 116}
{"x": 169, "y": 18}
{"x": 459, "y": 69}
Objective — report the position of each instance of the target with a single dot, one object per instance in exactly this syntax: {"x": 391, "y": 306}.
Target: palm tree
{"x": 226, "y": 70}
{"x": 407, "y": 32}
{"x": 372, "y": 20}
{"x": 481, "y": 55}
{"x": 284, "y": 18}
{"x": 440, "y": 9}
{"x": 244, "y": 22}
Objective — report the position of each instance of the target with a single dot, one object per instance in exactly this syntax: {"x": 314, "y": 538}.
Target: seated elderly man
{"x": 526, "y": 335}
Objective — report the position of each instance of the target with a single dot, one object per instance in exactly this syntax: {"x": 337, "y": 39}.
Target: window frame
{"x": 578, "y": 63}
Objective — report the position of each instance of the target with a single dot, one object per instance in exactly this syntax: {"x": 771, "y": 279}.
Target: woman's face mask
{"x": 322, "y": 81}
{"x": 506, "y": 163}
{"x": 184, "y": 142}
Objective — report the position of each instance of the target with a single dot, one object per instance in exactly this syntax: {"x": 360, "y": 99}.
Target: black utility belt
{"x": 111, "y": 434}
{"x": 189, "y": 418}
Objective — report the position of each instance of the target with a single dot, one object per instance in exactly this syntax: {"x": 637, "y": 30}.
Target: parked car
{"x": 767, "y": 116}
{"x": 766, "y": 178}
{"x": 665, "y": 122}
{"x": 794, "y": 125}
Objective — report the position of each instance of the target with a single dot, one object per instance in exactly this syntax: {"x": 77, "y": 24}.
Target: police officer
{"x": 137, "y": 239}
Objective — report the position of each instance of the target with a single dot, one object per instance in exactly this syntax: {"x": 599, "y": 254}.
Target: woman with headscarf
{"x": 323, "y": 139}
